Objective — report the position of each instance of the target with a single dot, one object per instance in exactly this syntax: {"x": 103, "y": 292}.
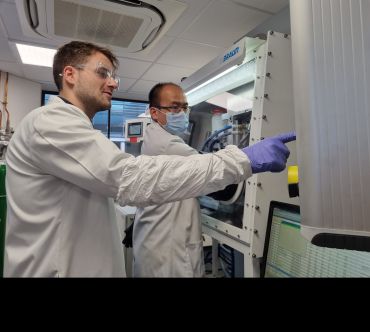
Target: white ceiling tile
{"x": 272, "y": 6}
{"x": 157, "y": 50}
{"x": 131, "y": 96}
{"x": 194, "y": 8}
{"x": 142, "y": 86}
{"x": 132, "y": 68}
{"x": 163, "y": 73}
{"x": 36, "y": 73}
{"x": 126, "y": 83}
{"x": 202, "y": 32}
{"x": 182, "y": 52}
{"x": 223, "y": 23}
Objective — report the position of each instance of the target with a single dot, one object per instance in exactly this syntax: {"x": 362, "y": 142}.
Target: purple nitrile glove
{"x": 271, "y": 154}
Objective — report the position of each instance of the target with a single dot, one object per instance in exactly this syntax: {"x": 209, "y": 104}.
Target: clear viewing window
{"x": 111, "y": 122}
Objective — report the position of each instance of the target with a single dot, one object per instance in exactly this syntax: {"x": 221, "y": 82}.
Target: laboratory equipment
{"x": 331, "y": 61}
{"x": 252, "y": 83}
{"x": 134, "y": 134}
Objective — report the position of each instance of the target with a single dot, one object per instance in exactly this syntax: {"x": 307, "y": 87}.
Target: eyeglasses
{"x": 175, "y": 109}
{"x": 103, "y": 73}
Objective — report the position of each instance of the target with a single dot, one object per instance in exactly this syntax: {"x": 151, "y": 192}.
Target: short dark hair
{"x": 74, "y": 53}
{"x": 155, "y": 92}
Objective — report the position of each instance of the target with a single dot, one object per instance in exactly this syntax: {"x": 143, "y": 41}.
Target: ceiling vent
{"x": 127, "y": 25}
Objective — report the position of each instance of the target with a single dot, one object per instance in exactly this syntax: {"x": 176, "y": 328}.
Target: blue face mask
{"x": 177, "y": 123}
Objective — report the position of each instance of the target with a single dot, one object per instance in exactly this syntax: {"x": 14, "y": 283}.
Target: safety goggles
{"x": 103, "y": 72}
{"x": 175, "y": 109}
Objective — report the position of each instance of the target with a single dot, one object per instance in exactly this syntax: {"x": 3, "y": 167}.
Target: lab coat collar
{"x": 61, "y": 100}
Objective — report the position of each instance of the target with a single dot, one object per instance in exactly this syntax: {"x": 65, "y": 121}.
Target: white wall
{"x": 23, "y": 97}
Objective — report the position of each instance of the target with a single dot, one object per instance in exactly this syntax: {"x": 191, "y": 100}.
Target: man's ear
{"x": 69, "y": 75}
{"x": 154, "y": 113}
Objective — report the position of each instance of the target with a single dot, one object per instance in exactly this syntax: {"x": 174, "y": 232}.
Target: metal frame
{"x": 273, "y": 113}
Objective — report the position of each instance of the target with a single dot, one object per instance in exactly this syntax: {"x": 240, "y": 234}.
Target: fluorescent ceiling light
{"x": 212, "y": 79}
{"x": 37, "y": 56}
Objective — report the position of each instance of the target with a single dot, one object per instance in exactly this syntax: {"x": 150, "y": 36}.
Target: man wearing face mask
{"x": 167, "y": 238}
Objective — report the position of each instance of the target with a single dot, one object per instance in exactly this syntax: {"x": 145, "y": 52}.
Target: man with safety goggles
{"x": 63, "y": 176}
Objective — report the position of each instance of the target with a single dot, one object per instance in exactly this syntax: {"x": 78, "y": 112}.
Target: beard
{"x": 91, "y": 102}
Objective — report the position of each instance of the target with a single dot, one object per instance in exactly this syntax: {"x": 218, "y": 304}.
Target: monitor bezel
{"x": 140, "y": 123}
{"x": 273, "y": 205}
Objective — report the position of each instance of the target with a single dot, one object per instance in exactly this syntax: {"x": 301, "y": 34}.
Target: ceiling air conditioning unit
{"x": 124, "y": 25}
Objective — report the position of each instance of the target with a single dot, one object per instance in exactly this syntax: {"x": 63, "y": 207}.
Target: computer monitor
{"x": 135, "y": 129}
{"x": 288, "y": 254}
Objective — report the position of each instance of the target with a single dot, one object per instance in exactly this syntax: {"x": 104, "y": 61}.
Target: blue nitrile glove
{"x": 271, "y": 154}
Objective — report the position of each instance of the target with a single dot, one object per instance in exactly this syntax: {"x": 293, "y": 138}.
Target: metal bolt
{"x": 268, "y": 74}
{"x": 254, "y": 255}
{"x": 258, "y": 77}
{"x": 252, "y": 139}
{"x": 257, "y": 207}
{"x": 255, "y": 231}
{"x": 255, "y": 51}
{"x": 245, "y": 227}
{"x": 254, "y": 118}
{"x": 238, "y": 236}
{"x": 269, "y": 53}
{"x": 256, "y": 98}
{"x": 247, "y": 204}
{"x": 249, "y": 182}
{"x": 259, "y": 57}
{"x": 227, "y": 231}
{"x": 266, "y": 95}
{"x": 271, "y": 33}
{"x": 264, "y": 117}
{"x": 262, "y": 138}
{"x": 286, "y": 35}
{"x": 259, "y": 184}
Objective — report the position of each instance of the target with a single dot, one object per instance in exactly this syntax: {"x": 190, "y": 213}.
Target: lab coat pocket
{"x": 194, "y": 253}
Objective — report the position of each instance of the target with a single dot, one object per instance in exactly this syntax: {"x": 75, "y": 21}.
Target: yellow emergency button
{"x": 293, "y": 181}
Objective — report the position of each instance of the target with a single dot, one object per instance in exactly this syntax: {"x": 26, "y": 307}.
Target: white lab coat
{"x": 62, "y": 177}
{"x": 167, "y": 238}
